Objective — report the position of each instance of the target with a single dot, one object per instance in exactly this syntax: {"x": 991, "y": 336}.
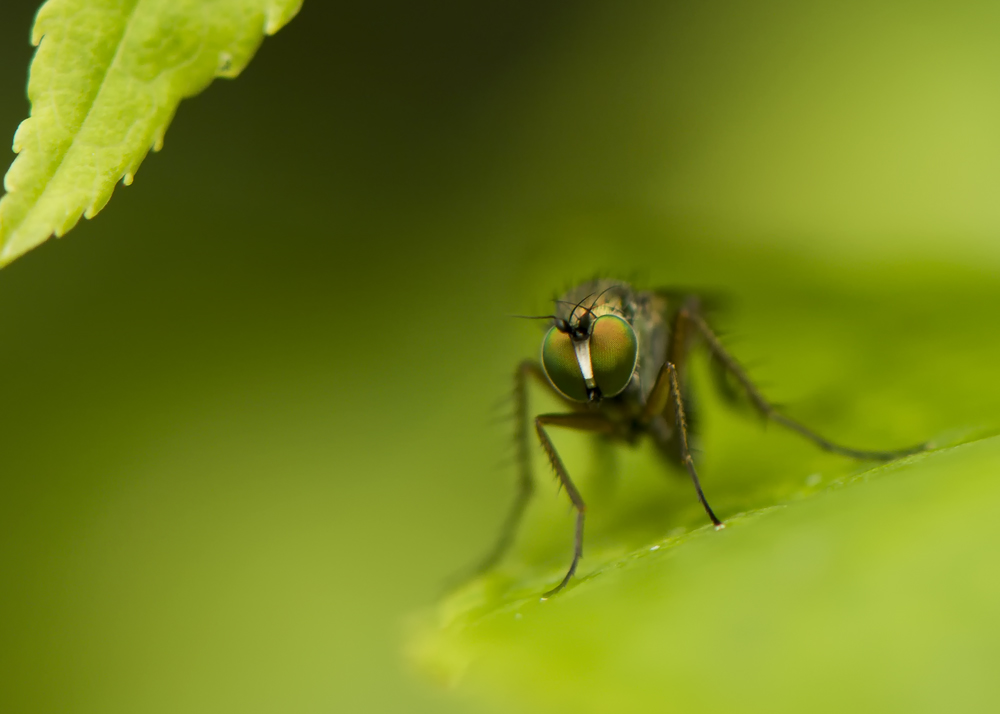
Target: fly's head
{"x": 591, "y": 354}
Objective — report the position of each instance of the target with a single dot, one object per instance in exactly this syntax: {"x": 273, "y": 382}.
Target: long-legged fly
{"x": 616, "y": 358}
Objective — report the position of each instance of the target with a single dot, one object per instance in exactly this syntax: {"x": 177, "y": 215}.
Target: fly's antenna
{"x": 578, "y": 306}
{"x": 594, "y": 304}
{"x": 561, "y": 324}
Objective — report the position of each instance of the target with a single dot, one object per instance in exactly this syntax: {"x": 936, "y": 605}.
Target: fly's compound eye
{"x": 614, "y": 350}
{"x": 561, "y": 366}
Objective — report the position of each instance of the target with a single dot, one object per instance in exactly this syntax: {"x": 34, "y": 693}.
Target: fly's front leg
{"x": 666, "y": 391}
{"x": 581, "y": 422}
{"x": 691, "y": 315}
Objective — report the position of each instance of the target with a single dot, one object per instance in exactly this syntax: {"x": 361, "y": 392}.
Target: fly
{"x": 616, "y": 358}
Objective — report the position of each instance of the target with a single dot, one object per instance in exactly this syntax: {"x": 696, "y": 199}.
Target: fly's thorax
{"x": 650, "y": 322}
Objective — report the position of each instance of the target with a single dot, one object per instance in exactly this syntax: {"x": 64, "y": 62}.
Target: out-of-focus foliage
{"x": 105, "y": 83}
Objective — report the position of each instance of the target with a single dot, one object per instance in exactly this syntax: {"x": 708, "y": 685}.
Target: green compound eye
{"x": 561, "y": 367}
{"x": 613, "y": 353}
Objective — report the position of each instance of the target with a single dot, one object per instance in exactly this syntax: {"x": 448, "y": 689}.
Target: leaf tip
{"x": 40, "y": 27}
{"x": 280, "y": 14}
{"x": 99, "y": 202}
{"x": 14, "y": 244}
{"x": 70, "y": 219}
{"x": 20, "y": 134}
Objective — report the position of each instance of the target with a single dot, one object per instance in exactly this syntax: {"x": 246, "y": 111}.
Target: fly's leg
{"x": 690, "y": 314}
{"x": 581, "y": 422}
{"x": 525, "y": 481}
{"x": 666, "y": 390}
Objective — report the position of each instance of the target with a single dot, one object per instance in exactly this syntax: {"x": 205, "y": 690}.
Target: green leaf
{"x": 834, "y": 581}
{"x": 105, "y": 83}
{"x": 794, "y": 608}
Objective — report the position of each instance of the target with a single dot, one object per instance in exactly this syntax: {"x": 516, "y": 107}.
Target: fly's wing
{"x": 711, "y": 302}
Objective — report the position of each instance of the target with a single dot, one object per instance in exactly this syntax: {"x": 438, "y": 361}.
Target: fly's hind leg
{"x": 690, "y": 314}
{"x": 525, "y": 480}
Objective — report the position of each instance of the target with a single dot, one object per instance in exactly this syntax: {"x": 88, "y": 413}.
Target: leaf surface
{"x": 837, "y": 584}
{"x": 799, "y": 608}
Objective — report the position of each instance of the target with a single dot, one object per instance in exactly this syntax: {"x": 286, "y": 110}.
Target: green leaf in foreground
{"x": 105, "y": 83}
{"x": 880, "y": 593}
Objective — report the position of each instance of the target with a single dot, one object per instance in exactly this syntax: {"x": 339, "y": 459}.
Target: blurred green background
{"x": 249, "y": 411}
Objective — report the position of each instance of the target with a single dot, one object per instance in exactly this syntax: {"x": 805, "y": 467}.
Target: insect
{"x": 616, "y": 357}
